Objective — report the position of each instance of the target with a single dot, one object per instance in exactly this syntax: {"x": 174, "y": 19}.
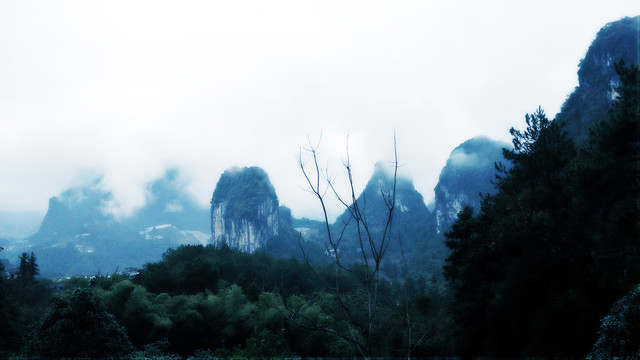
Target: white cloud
{"x": 129, "y": 89}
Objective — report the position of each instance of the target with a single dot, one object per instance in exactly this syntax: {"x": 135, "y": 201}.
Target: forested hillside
{"x": 545, "y": 257}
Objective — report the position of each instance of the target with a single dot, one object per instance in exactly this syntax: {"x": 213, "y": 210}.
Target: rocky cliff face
{"x": 244, "y": 209}
{"x": 467, "y": 173}
{"x": 597, "y": 77}
{"x": 412, "y": 237}
{"x": 409, "y": 202}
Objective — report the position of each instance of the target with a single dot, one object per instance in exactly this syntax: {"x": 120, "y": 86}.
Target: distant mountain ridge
{"x": 79, "y": 237}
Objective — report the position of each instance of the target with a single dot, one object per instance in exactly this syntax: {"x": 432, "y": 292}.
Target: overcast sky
{"x": 128, "y": 89}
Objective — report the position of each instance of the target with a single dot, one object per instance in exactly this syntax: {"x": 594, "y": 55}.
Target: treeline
{"x": 540, "y": 265}
{"x": 212, "y": 302}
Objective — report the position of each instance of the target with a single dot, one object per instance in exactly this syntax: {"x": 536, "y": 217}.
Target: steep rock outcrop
{"x": 469, "y": 172}
{"x": 410, "y": 204}
{"x": 412, "y": 239}
{"x": 244, "y": 209}
{"x": 75, "y": 211}
{"x": 597, "y": 77}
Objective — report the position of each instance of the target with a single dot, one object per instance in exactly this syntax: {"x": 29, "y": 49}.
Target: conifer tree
{"x": 548, "y": 254}
{"x": 28, "y": 269}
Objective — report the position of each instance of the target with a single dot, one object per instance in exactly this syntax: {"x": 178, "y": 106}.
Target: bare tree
{"x": 360, "y": 332}
{"x": 409, "y": 300}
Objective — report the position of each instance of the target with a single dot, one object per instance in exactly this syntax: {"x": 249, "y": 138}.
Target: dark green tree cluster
{"x": 23, "y": 299}
{"x": 8, "y": 338}
{"x": 28, "y": 269}
{"x": 541, "y": 263}
{"x": 230, "y": 302}
{"x": 619, "y": 334}
{"x": 193, "y": 269}
{"x": 207, "y": 302}
{"x": 77, "y": 325}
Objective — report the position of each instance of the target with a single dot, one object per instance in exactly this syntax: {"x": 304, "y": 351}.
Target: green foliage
{"x": 240, "y": 313}
{"x": 549, "y": 252}
{"x": 77, "y": 325}
{"x": 158, "y": 350}
{"x": 607, "y": 177}
{"x": 25, "y": 300}
{"x": 28, "y": 269}
{"x": 620, "y": 330}
{"x": 76, "y": 282}
{"x": 265, "y": 344}
{"x": 133, "y": 308}
{"x": 200, "y": 302}
{"x": 105, "y": 282}
{"x": 187, "y": 322}
{"x": 193, "y": 269}
{"x": 9, "y": 336}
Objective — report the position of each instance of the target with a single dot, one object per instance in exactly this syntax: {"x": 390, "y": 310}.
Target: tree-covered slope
{"x": 540, "y": 264}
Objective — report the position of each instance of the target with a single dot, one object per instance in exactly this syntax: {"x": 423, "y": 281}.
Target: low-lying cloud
{"x": 126, "y": 90}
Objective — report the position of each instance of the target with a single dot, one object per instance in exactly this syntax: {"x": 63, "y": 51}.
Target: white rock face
{"x": 245, "y": 234}
{"x": 449, "y": 207}
{"x": 468, "y": 173}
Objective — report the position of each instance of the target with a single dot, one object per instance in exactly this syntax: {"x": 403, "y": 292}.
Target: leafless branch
{"x": 372, "y": 247}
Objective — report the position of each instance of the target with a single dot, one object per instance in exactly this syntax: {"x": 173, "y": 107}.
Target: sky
{"x": 125, "y": 90}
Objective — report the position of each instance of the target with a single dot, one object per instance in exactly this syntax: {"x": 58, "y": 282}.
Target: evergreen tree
{"x": 504, "y": 262}
{"x": 28, "y": 269}
{"x": 78, "y": 325}
{"x": 620, "y": 330}
{"x": 9, "y": 337}
{"x": 557, "y": 244}
{"x": 608, "y": 179}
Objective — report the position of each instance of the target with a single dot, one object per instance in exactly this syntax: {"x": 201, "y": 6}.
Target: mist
{"x": 125, "y": 91}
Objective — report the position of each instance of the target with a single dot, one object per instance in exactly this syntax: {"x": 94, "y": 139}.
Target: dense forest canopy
{"x": 547, "y": 255}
